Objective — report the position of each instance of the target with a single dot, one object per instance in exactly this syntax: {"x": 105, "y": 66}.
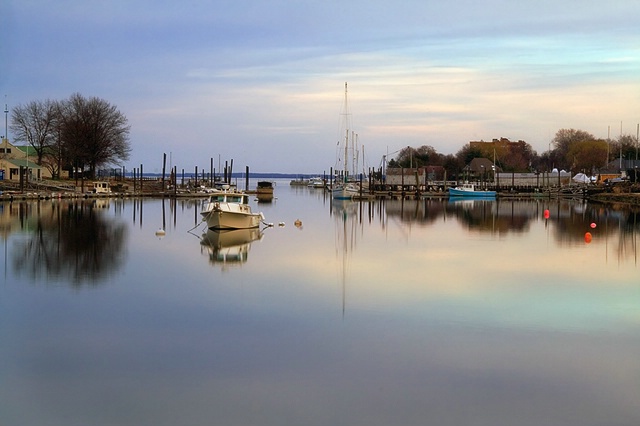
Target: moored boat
{"x": 264, "y": 190}
{"x": 299, "y": 182}
{"x": 344, "y": 187}
{"x": 316, "y": 182}
{"x": 469, "y": 190}
{"x": 230, "y": 210}
{"x": 344, "y": 191}
{"x": 264, "y": 187}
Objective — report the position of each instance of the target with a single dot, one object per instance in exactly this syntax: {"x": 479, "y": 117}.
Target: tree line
{"x": 75, "y": 134}
{"x": 571, "y": 150}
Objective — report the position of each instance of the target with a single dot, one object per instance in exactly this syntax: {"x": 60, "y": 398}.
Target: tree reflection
{"x": 568, "y": 219}
{"x": 70, "y": 241}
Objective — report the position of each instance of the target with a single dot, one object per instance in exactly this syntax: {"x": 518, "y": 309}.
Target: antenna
{"x": 6, "y": 116}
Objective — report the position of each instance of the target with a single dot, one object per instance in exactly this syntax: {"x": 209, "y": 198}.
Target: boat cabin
{"x": 101, "y": 188}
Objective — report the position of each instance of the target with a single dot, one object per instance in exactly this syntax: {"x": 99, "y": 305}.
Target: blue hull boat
{"x": 469, "y": 190}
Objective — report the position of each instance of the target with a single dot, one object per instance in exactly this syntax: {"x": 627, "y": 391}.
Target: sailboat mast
{"x": 345, "y": 160}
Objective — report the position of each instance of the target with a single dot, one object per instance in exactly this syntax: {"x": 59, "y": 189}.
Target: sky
{"x": 262, "y": 83}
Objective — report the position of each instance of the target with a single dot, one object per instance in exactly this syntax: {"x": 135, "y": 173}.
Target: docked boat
{"x": 344, "y": 187}
{"x": 316, "y": 182}
{"x": 344, "y": 191}
{"x": 469, "y": 190}
{"x": 264, "y": 190}
{"x": 299, "y": 182}
{"x": 230, "y": 210}
{"x": 264, "y": 187}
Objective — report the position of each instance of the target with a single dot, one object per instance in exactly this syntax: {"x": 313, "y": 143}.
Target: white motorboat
{"x": 316, "y": 182}
{"x": 230, "y": 210}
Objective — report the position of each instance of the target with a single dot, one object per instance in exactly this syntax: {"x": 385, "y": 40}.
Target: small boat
{"x": 299, "y": 182}
{"x": 469, "y": 190}
{"x": 230, "y": 210}
{"x": 264, "y": 191}
{"x": 101, "y": 188}
{"x": 316, "y": 182}
{"x": 264, "y": 187}
{"x": 344, "y": 191}
{"x": 344, "y": 188}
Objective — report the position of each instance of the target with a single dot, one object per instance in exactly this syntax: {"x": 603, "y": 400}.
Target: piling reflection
{"x": 66, "y": 241}
{"x": 229, "y": 248}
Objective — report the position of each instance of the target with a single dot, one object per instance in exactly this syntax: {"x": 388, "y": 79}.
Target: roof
{"x": 479, "y": 164}
{"x": 27, "y": 149}
{"x": 22, "y": 163}
{"x": 621, "y": 164}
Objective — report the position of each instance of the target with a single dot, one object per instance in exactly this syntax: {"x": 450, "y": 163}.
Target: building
{"x": 497, "y": 144}
{"x": 14, "y": 159}
{"x": 420, "y": 176}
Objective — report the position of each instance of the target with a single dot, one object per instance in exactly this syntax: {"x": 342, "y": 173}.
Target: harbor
{"x": 156, "y": 187}
{"x": 360, "y": 302}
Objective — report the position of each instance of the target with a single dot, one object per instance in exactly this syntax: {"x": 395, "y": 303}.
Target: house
{"x": 13, "y": 159}
{"x": 414, "y": 176}
{"x": 480, "y": 168}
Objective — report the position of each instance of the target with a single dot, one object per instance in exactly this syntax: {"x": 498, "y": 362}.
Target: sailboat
{"x": 343, "y": 188}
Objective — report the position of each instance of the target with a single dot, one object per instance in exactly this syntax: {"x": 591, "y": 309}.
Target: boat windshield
{"x": 228, "y": 198}
{"x": 234, "y": 198}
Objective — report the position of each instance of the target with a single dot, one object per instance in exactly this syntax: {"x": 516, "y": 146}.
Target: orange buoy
{"x": 587, "y": 237}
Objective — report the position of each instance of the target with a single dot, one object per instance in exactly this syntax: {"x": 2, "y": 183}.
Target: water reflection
{"x": 566, "y": 220}
{"x": 72, "y": 241}
{"x": 446, "y": 321}
{"x": 228, "y": 248}
{"x": 347, "y": 214}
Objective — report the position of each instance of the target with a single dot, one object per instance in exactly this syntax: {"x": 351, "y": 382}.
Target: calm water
{"x": 382, "y": 313}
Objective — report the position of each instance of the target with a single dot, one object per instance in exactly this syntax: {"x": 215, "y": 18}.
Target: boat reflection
{"x": 229, "y": 248}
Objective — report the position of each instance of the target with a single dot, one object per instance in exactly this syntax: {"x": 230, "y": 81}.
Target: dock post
{"x": 164, "y": 166}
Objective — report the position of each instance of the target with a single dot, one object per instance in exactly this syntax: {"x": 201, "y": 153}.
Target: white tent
{"x": 581, "y": 178}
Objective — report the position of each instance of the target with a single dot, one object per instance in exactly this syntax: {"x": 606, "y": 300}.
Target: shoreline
{"x": 631, "y": 199}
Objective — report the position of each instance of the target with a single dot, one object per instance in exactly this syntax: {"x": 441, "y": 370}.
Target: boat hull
{"x": 344, "y": 191}
{"x": 455, "y": 192}
{"x": 230, "y": 210}
{"x": 217, "y": 219}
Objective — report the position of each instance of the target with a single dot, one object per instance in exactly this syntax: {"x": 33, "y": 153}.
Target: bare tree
{"x": 564, "y": 139}
{"x": 34, "y": 124}
{"x": 93, "y": 133}
{"x": 626, "y": 146}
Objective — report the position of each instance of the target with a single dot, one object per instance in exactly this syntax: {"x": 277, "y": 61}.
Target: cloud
{"x": 273, "y": 73}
